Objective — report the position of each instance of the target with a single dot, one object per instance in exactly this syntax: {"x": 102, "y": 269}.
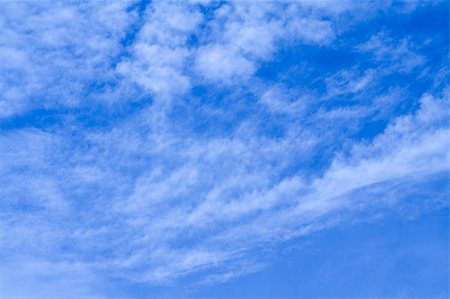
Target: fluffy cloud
{"x": 47, "y": 63}
{"x": 160, "y": 52}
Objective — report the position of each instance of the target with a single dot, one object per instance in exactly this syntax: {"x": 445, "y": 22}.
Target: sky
{"x": 224, "y": 149}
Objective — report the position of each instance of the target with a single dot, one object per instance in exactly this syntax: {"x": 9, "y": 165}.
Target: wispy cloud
{"x": 203, "y": 158}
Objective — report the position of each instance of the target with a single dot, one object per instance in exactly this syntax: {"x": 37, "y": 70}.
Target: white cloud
{"x": 56, "y": 50}
{"x": 219, "y": 63}
{"x": 312, "y": 31}
{"x": 279, "y": 100}
{"x": 150, "y": 198}
{"x": 244, "y": 35}
{"x": 217, "y": 199}
{"x": 160, "y": 53}
{"x": 401, "y": 57}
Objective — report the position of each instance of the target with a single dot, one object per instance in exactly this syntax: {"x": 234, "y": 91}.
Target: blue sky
{"x": 244, "y": 149}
